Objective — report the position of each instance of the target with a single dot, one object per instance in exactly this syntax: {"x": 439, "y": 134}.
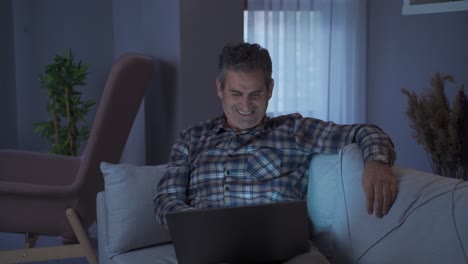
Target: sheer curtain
{"x": 318, "y": 53}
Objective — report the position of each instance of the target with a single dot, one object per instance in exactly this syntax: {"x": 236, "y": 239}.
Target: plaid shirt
{"x": 213, "y": 165}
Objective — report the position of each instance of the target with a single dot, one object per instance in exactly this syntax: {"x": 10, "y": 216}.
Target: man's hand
{"x": 380, "y": 188}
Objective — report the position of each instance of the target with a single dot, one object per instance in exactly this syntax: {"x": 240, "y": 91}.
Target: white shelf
{"x": 452, "y": 6}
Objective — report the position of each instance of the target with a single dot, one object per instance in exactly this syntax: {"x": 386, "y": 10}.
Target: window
{"x": 287, "y": 36}
{"x": 318, "y": 53}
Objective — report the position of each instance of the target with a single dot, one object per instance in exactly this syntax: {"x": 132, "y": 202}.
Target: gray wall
{"x": 43, "y": 29}
{"x": 183, "y": 90}
{"x": 162, "y": 37}
{"x": 405, "y": 51}
{"x": 184, "y": 37}
{"x": 205, "y": 29}
{"x": 128, "y": 37}
{"x": 7, "y": 80}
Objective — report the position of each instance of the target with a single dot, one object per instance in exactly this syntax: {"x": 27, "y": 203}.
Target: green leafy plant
{"x": 440, "y": 128}
{"x": 67, "y": 126}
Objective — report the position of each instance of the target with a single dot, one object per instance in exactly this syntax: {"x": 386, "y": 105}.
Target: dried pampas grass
{"x": 440, "y": 128}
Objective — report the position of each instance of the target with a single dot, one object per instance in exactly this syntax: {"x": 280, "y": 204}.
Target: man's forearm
{"x": 166, "y": 203}
{"x": 375, "y": 145}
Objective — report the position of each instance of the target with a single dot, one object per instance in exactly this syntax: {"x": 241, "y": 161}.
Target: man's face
{"x": 244, "y": 98}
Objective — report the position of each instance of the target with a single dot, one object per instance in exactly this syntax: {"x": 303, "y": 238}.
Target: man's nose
{"x": 246, "y": 101}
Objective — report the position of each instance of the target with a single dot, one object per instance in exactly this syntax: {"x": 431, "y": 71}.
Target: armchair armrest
{"x": 32, "y": 173}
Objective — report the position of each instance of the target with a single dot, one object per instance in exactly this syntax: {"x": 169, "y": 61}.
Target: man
{"x": 244, "y": 157}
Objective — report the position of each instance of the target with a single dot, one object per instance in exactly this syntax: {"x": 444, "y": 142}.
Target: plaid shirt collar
{"x": 263, "y": 127}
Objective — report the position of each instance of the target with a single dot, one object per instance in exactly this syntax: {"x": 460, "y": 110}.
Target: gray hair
{"x": 244, "y": 57}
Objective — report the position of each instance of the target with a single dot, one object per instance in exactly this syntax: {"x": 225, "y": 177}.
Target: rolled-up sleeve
{"x": 319, "y": 136}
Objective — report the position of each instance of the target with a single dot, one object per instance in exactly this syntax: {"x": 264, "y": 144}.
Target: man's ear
{"x": 219, "y": 89}
{"x": 270, "y": 89}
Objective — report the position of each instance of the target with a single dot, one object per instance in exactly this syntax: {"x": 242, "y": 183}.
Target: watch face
{"x": 382, "y": 159}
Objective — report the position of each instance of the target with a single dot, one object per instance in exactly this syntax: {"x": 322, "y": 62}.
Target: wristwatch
{"x": 382, "y": 159}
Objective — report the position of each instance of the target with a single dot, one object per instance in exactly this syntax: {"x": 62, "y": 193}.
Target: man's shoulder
{"x": 278, "y": 121}
{"x": 286, "y": 117}
{"x": 204, "y": 128}
{"x": 293, "y": 123}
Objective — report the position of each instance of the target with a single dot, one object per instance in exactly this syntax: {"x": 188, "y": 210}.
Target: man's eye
{"x": 236, "y": 94}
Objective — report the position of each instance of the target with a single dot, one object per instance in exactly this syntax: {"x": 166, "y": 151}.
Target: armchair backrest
{"x": 121, "y": 98}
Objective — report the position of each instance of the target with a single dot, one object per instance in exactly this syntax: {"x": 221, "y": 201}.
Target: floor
{"x": 10, "y": 241}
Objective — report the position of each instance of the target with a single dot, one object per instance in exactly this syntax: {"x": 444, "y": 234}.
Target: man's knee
{"x": 312, "y": 257}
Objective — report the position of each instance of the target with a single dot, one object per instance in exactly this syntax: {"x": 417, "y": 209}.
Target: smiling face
{"x": 244, "y": 98}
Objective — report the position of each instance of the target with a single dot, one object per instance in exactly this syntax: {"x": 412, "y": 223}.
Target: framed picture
{"x": 414, "y": 7}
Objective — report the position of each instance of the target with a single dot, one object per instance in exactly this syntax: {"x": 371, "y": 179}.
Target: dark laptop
{"x": 270, "y": 233}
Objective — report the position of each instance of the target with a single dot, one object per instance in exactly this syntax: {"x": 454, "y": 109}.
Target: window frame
{"x": 410, "y": 8}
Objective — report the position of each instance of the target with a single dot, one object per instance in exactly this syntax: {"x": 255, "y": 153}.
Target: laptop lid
{"x": 247, "y": 234}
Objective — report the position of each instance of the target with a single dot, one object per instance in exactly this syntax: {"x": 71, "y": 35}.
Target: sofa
{"x": 428, "y": 223}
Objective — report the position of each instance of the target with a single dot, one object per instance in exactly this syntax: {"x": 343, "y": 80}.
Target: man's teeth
{"x": 244, "y": 113}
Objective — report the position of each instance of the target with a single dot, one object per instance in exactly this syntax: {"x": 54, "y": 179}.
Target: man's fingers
{"x": 380, "y": 188}
{"x": 369, "y": 191}
{"x": 387, "y": 199}
{"x": 378, "y": 200}
{"x": 394, "y": 189}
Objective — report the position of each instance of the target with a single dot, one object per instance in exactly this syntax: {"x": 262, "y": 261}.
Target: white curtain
{"x": 318, "y": 52}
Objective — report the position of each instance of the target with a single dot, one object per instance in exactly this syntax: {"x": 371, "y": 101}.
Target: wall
{"x": 405, "y": 51}
{"x": 162, "y": 37}
{"x": 205, "y": 29}
{"x": 7, "y": 80}
{"x": 43, "y": 29}
{"x": 128, "y": 37}
{"x": 184, "y": 37}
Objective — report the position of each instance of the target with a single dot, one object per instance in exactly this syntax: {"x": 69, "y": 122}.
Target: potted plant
{"x": 67, "y": 126}
{"x": 442, "y": 129}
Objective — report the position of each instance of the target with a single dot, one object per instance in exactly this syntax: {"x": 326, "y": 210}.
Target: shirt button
{"x": 227, "y": 173}
{"x": 226, "y": 188}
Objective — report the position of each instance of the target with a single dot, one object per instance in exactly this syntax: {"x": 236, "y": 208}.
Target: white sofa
{"x": 428, "y": 222}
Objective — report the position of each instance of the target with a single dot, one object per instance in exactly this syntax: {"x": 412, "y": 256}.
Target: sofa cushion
{"x": 160, "y": 254}
{"x": 129, "y": 192}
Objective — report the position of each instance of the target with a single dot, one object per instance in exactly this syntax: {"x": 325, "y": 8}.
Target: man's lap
{"x": 313, "y": 256}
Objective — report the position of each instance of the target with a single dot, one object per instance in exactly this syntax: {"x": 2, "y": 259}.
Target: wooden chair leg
{"x": 81, "y": 235}
{"x": 30, "y": 240}
{"x": 83, "y": 249}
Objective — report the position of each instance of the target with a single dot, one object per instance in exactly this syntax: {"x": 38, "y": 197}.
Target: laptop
{"x": 268, "y": 233}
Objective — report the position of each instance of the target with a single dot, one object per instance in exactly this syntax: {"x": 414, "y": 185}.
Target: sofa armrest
{"x": 421, "y": 226}
{"x": 326, "y": 206}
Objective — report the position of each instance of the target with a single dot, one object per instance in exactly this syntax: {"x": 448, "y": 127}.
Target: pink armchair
{"x": 55, "y": 195}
